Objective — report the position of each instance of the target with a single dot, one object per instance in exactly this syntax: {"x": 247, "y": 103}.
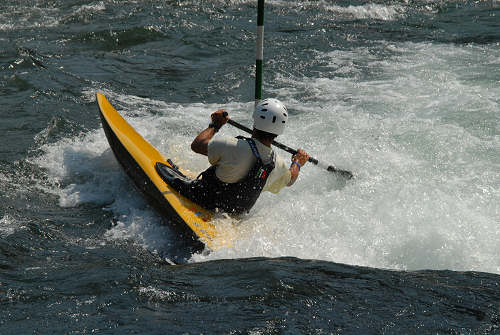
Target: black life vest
{"x": 234, "y": 198}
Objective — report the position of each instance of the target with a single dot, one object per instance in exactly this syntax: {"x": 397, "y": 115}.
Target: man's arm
{"x": 200, "y": 143}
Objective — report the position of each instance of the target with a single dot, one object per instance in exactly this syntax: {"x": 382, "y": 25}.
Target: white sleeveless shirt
{"x": 234, "y": 158}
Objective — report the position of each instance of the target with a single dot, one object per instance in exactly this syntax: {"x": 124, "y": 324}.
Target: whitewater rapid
{"x": 416, "y": 122}
{"x": 426, "y": 164}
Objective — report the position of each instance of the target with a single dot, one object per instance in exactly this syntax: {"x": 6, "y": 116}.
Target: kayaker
{"x": 243, "y": 167}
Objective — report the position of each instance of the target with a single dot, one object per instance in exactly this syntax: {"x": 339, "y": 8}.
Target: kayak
{"x": 144, "y": 164}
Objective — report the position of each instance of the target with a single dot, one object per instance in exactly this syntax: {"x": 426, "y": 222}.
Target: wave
{"x": 8, "y": 225}
{"x": 414, "y": 204}
{"x": 369, "y": 11}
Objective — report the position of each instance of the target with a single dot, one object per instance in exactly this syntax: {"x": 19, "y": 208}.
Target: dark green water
{"x": 403, "y": 93}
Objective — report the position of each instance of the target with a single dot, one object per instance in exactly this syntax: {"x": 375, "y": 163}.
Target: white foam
{"x": 29, "y": 17}
{"x": 416, "y": 126}
{"x": 9, "y": 226}
{"x": 92, "y": 8}
{"x": 83, "y": 170}
{"x": 369, "y": 11}
{"x": 424, "y": 195}
{"x": 359, "y": 12}
{"x": 37, "y": 17}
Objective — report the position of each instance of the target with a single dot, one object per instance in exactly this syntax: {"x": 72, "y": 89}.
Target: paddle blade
{"x": 345, "y": 174}
{"x": 342, "y": 173}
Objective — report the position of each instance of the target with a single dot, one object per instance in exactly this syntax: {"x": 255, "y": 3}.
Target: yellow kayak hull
{"x": 138, "y": 158}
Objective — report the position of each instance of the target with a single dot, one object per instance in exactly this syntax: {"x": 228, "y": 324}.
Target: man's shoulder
{"x": 223, "y": 141}
{"x": 220, "y": 145}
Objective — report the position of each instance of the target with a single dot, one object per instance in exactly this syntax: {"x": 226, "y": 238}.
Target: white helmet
{"x": 270, "y": 115}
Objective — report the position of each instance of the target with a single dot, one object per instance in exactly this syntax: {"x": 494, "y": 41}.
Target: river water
{"x": 405, "y": 94}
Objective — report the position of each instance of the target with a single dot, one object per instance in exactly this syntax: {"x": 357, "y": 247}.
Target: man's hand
{"x": 200, "y": 143}
{"x": 300, "y": 157}
{"x": 298, "y": 160}
{"x": 219, "y": 118}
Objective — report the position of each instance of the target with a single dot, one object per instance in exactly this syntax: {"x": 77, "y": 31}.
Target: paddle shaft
{"x": 344, "y": 173}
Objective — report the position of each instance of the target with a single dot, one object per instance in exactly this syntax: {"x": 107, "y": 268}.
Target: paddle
{"x": 345, "y": 174}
